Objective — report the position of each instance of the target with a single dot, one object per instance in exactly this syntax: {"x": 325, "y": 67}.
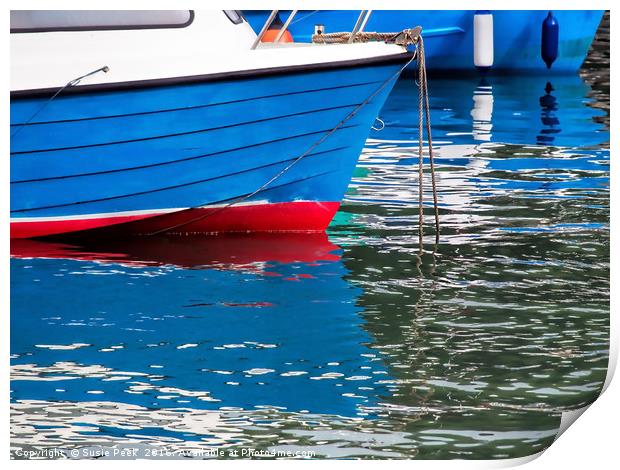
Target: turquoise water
{"x": 353, "y": 343}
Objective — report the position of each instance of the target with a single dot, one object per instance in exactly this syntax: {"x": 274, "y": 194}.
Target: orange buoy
{"x": 271, "y": 34}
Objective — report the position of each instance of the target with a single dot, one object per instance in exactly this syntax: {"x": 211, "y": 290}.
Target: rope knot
{"x": 403, "y": 38}
{"x": 407, "y": 37}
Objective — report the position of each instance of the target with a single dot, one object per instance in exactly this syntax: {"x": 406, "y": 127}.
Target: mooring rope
{"x": 294, "y": 162}
{"x": 404, "y": 38}
{"x": 423, "y": 84}
{"x": 408, "y": 36}
{"x": 420, "y": 151}
{"x": 71, "y": 83}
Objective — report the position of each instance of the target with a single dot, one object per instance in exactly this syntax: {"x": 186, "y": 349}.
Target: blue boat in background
{"x": 449, "y": 35}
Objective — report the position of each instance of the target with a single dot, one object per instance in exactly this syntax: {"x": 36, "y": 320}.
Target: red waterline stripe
{"x": 41, "y": 228}
{"x": 300, "y": 216}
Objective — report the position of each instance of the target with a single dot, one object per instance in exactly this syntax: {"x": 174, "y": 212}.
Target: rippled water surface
{"x": 349, "y": 344}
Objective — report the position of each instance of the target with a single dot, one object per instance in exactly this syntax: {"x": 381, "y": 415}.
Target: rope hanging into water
{"x": 404, "y": 38}
{"x": 290, "y": 165}
{"x": 420, "y": 154}
{"x": 424, "y": 104}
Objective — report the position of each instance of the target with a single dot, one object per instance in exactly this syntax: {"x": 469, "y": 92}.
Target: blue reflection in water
{"x": 548, "y": 117}
{"x": 505, "y": 109}
{"x": 204, "y": 324}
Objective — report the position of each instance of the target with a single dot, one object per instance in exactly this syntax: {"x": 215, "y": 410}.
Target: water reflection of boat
{"x": 155, "y": 326}
{"x": 502, "y": 109}
{"x": 482, "y": 111}
{"x": 228, "y": 250}
{"x": 548, "y": 118}
{"x": 528, "y": 134}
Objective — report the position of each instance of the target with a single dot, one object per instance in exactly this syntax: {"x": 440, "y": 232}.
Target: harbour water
{"x": 350, "y": 343}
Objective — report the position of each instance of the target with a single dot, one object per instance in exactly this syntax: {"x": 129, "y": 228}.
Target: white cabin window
{"x": 28, "y": 21}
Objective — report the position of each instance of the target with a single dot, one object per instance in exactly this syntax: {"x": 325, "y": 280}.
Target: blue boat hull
{"x": 167, "y": 154}
{"x": 449, "y": 35}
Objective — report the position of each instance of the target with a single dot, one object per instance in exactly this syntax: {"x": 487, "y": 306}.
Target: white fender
{"x": 483, "y": 39}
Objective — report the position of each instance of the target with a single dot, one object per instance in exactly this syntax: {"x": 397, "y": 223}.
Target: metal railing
{"x": 265, "y": 28}
{"x": 360, "y": 24}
